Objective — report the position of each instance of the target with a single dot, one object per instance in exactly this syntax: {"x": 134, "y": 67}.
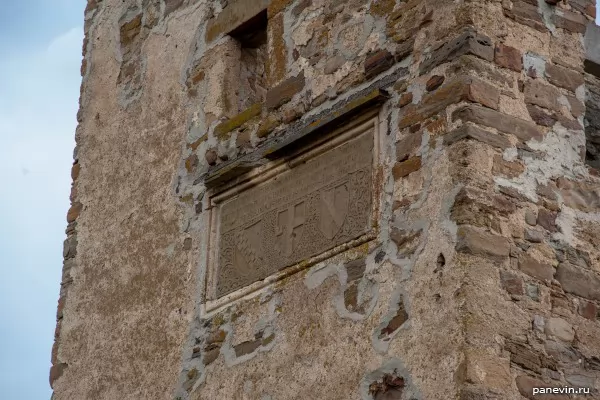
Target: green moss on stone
{"x": 268, "y": 339}
{"x": 267, "y": 126}
{"x": 223, "y": 130}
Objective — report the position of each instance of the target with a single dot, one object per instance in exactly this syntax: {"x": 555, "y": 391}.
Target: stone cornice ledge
{"x": 303, "y": 131}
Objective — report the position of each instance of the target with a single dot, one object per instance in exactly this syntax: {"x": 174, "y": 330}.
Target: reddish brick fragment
{"x": 377, "y": 63}
{"x": 211, "y": 156}
{"x": 405, "y": 168}
{"x": 284, "y": 92}
{"x": 508, "y": 57}
{"x": 434, "y": 82}
{"x": 74, "y": 211}
{"x": 588, "y": 310}
{"x": 481, "y": 243}
{"x": 536, "y": 269}
{"x": 405, "y": 99}
{"x": 511, "y": 283}
{"x": 563, "y": 77}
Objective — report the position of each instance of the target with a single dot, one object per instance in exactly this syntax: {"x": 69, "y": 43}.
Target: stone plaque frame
{"x": 365, "y": 124}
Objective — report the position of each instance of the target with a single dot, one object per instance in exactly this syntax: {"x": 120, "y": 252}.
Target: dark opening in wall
{"x": 592, "y": 98}
{"x": 252, "y": 37}
{"x": 592, "y": 122}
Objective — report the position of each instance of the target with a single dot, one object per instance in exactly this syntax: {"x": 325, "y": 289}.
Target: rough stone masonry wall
{"x": 484, "y": 278}
{"x": 528, "y": 218}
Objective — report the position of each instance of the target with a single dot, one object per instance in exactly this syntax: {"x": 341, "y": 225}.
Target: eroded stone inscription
{"x": 296, "y": 215}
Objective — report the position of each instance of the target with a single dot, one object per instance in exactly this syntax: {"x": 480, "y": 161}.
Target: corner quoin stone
{"x": 463, "y": 88}
{"x": 469, "y": 42}
{"x": 522, "y": 129}
{"x": 469, "y": 131}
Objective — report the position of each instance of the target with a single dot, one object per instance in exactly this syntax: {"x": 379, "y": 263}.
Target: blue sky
{"x": 40, "y": 56}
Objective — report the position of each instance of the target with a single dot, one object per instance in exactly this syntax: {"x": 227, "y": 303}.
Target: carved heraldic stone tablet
{"x": 312, "y": 203}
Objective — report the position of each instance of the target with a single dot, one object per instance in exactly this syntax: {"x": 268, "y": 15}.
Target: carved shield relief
{"x": 334, "y": 209}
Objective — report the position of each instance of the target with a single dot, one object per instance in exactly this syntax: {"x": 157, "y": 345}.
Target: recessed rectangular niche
{"x": 252, "y": 39}
{"x": 292, "y": 213}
